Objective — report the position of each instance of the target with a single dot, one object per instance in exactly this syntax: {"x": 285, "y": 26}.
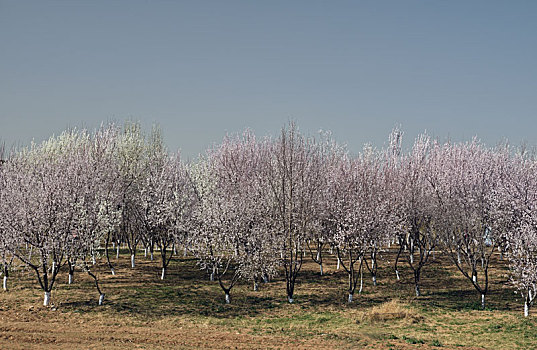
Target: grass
{"x": 188, "y": 311}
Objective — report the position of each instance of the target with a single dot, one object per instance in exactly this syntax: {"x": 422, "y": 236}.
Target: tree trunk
{"x": 526, "y": 309}
{"x": 483, "y": 301}
{"x": 417, "y": 281}
{"x": 361, "y": 278}
{"x": 101, "y": 299}
{"x": 70, "y": 277}
{"x": 46, "y": 300}
{"x": 132, "y": 261}
{"x": 227, "y": 298}
{"x": 4, "y": 284}
{"x": 163, "y": 273}
{"x": 290, "y": 299}
{"x": 350, "y": 298}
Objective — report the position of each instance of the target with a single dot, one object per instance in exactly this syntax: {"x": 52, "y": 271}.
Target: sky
{"x": 201, "y": 69}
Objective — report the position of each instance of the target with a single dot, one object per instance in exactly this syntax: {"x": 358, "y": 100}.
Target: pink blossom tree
{"x": 516, "y": 212}
{"x": 292, "y": 170}
{"x": 414, "y": 199}
{"x": 230, "y": 239}
{"x": 6, "y": 242}
{"x": 465, "y": 178}
{"x": 361, "y": 214}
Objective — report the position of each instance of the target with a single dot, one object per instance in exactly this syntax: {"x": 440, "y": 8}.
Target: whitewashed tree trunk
{"x": 361, "y": 278}
{"x": 70, "y": 278}
{"x": 227, "y": 298}
{"x": 526, "y": 309}
{"x": 256, "y": 286}
{"x": 93, "y": 261}
{"x": 417, "y": 289}
{"x": 163, "y": 273}
{"x": 458, "y": 257}
{"x": 321, "y": 267}
{"x": 101, "y": 299}
{"x": 397, "y": 274}
{"x": 374, "y": 280}
{"x": 211, "y": 278}
{"x": 145, "y": 252}
{"x": 117, "y": 252}
{"x": 46, "y": 300}
{"x": 151, "y": 256}
{"x": 113, "y": 271}
{"x": 350, "y": 298}
{"x": 4, "y": 284}
{"x": 338, "y": 263}
{"x": 132, "y": 261}
{"x": 482, "y": 301}
{"x": 289, "y": 299}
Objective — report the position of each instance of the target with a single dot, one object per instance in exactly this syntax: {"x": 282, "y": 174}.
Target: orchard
{"x": 251, "y": 209}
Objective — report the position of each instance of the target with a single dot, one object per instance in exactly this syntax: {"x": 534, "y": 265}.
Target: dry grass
{"x": 391, "y": 311}
{"x": 188, "y": 311}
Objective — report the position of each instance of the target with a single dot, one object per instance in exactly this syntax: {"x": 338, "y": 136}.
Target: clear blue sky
{"x": 204, "y": 68}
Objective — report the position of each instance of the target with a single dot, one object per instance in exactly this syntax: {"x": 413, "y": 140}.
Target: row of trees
{"x": 250, "y": 208}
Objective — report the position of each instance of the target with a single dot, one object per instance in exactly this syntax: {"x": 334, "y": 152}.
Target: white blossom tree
{"x": 414, "y": 199}
{"x": 40, "y": 204}
{"x": 165, "y": 204}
